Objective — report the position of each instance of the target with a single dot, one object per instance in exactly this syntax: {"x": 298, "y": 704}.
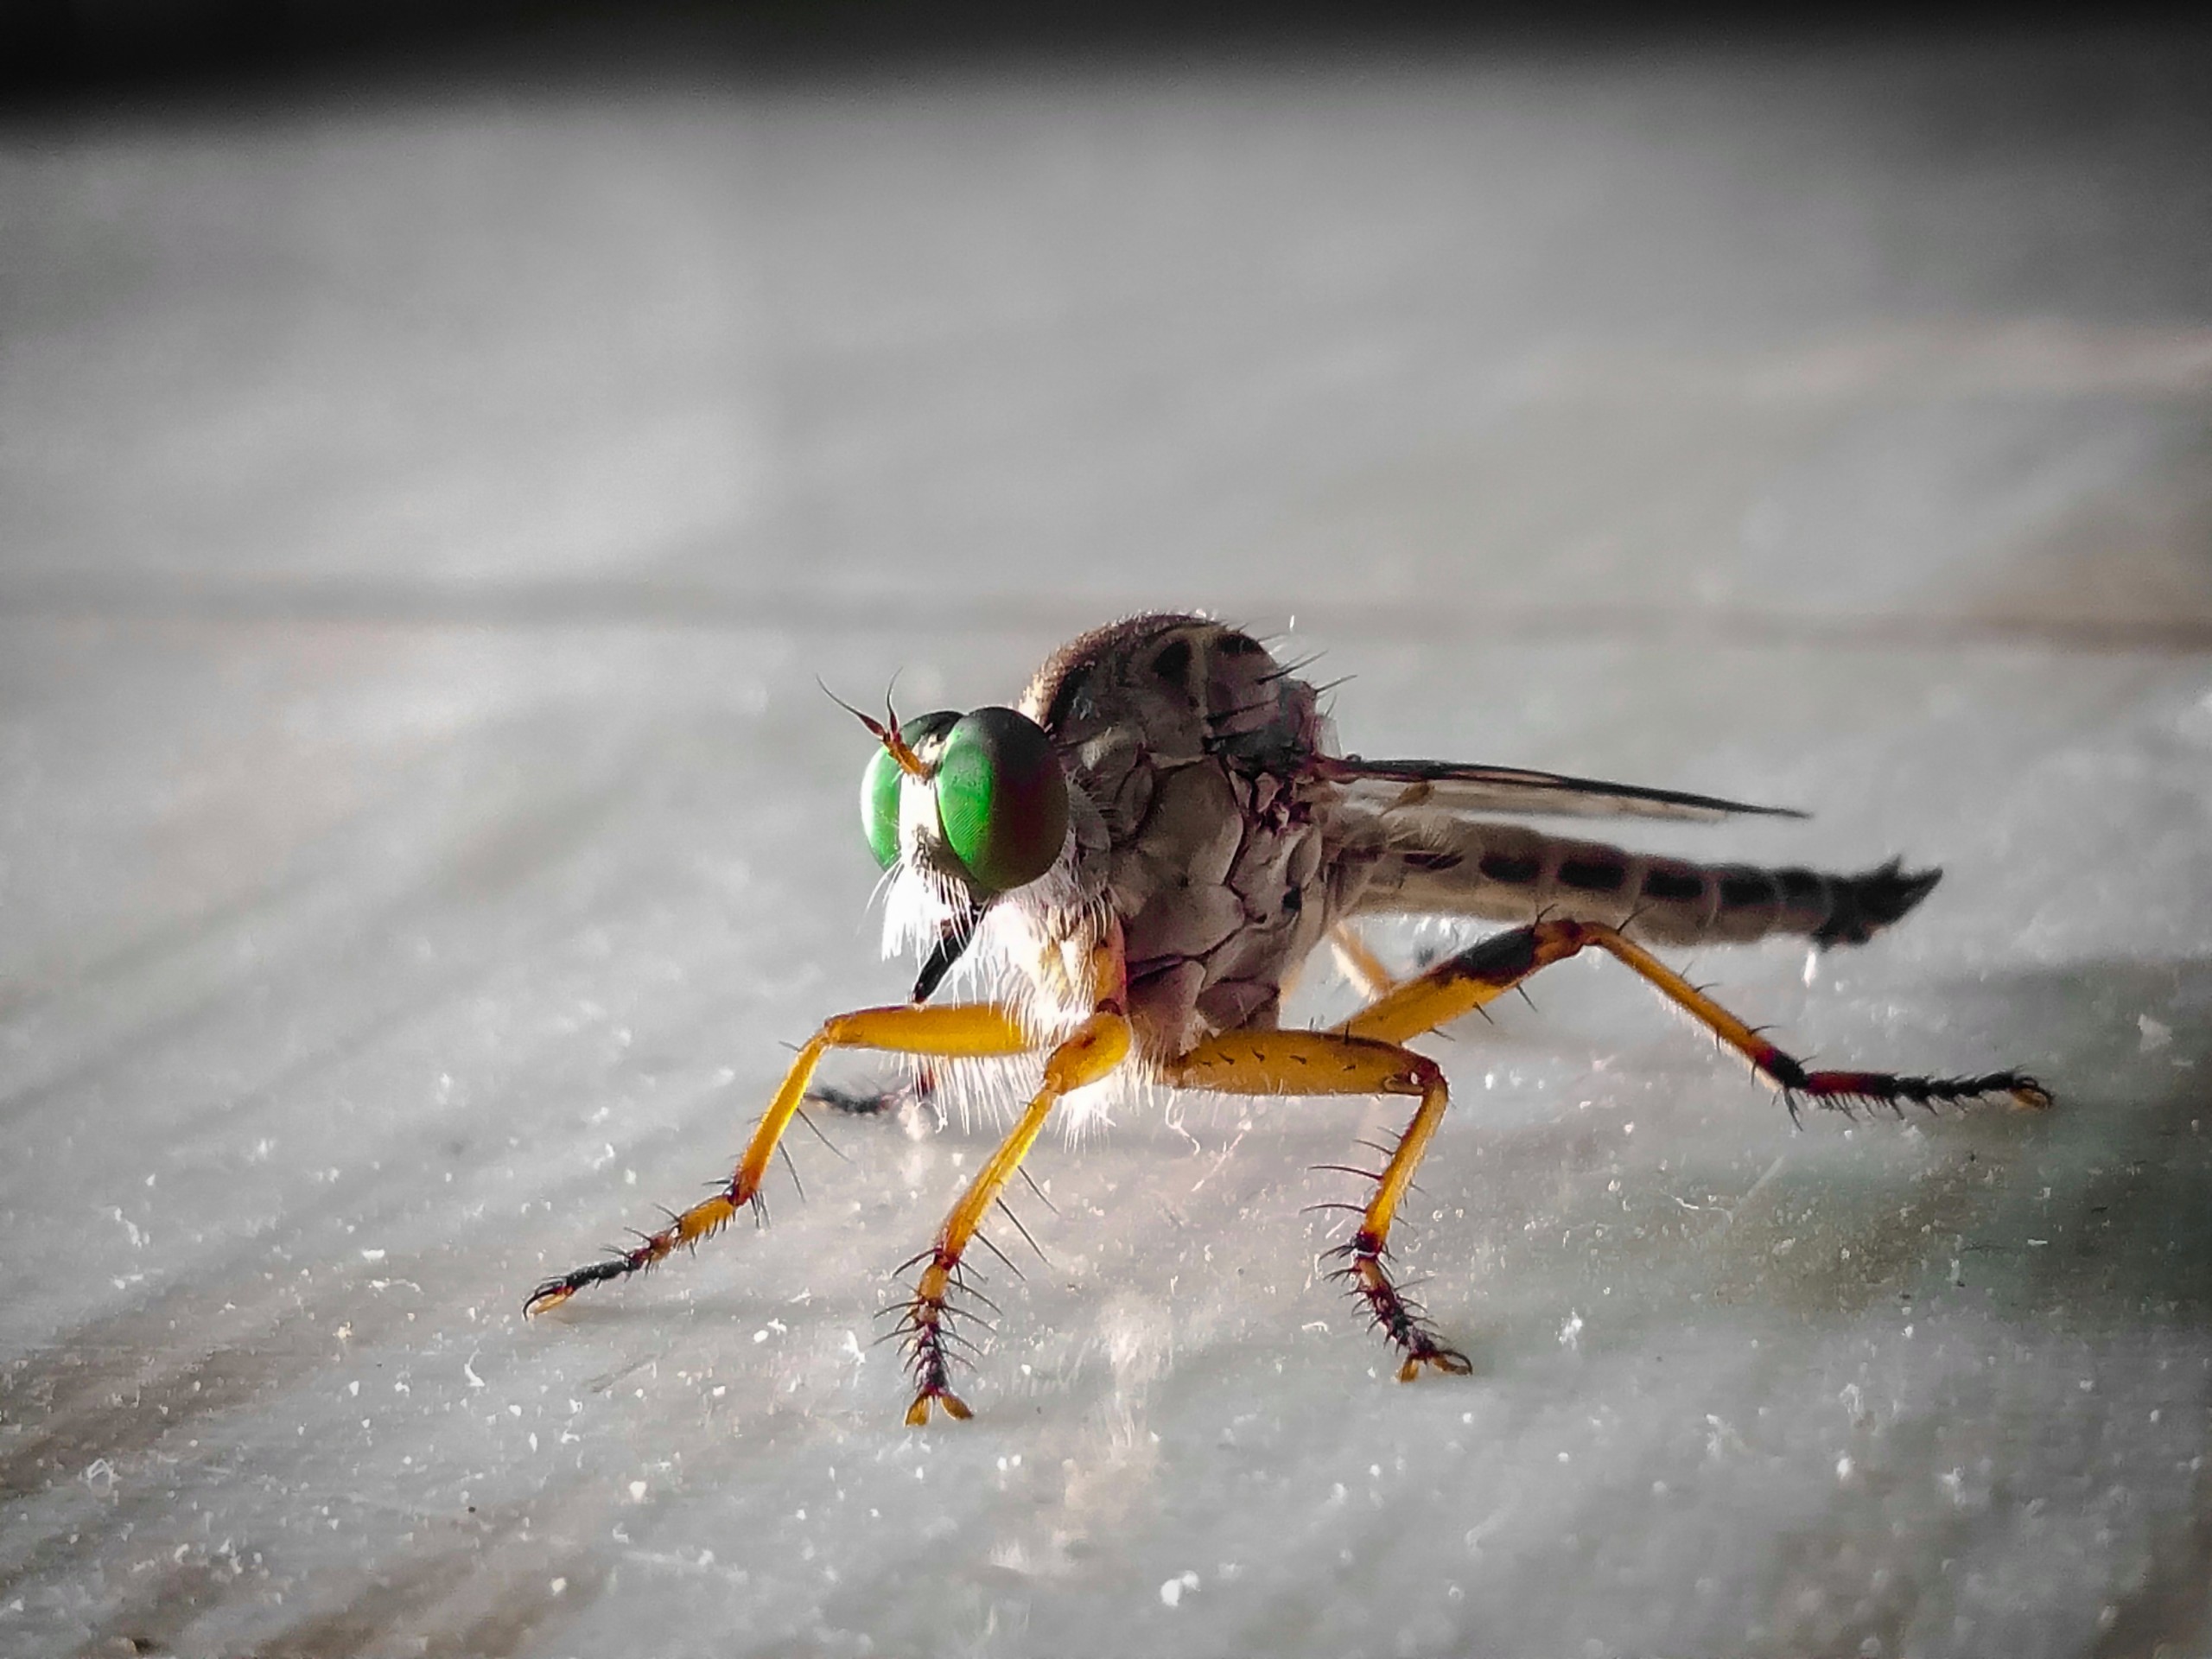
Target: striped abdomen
{"x": 1504, "y": 873}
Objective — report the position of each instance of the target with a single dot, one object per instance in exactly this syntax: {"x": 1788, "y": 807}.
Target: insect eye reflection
{"x": 1002, "y": 797}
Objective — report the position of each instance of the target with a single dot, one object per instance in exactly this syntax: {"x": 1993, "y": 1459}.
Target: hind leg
{"x": 1461, "y": 983}
{"x": 1365, "y": 1056}
{"x": 1485, "y": 971}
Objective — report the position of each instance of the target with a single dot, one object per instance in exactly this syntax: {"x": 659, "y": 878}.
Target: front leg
{"x": 965, "y": 1030}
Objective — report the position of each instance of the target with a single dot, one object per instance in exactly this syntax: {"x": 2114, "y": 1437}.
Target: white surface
{"x": 424, "y": 520}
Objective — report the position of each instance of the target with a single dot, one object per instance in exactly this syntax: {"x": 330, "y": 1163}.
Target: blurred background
{"x": 1710, "y": 328}
{"x": 440, "y": 449}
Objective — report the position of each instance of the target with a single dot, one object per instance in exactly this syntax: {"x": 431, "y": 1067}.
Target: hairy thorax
{"x": 1187, "y": 737}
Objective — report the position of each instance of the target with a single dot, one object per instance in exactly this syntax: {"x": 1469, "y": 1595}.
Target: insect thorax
{"x": 1190, "y": 740}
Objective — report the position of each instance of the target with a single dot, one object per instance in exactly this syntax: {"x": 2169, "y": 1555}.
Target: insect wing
{"x": 1442, "y": 786}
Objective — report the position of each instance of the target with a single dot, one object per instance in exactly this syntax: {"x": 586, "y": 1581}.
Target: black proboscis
{"x": 953, "y": 938}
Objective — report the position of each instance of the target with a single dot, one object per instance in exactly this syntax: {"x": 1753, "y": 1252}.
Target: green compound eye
{"x": 880, "y": 787}
{"x": 1002, "y": 798}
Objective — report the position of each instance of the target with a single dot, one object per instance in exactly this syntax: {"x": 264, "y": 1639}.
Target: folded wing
{"x": 1443, "y": 786}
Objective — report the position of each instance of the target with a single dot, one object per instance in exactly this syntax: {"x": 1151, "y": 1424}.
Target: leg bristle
{"x": 1402, "y": 1321}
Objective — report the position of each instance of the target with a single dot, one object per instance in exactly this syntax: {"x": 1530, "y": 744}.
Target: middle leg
{"x": 1364, "y": 1056}
{"x": 1338, "y": 1063}
{"x": 1461, "y": 983}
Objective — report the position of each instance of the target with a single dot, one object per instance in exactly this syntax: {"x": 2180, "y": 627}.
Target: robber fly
{"x": 1147, "y": 848}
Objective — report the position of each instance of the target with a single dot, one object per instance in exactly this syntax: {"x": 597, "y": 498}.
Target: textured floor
{"x": 424, "y": 518}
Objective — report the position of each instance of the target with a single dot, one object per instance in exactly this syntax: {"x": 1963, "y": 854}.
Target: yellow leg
{"x": 1487, "y": 971}
{"x": 965, "y": 1030}
{"x": 1363, "y": 1056}
{"x": 1341, "y": 1063}
{"x": 1484, "y": 972}
{"x": 1370, "y": 977}
{"x": 1098, "y": 1045}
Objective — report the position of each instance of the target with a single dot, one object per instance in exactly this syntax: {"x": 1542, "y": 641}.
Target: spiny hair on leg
{"x": 1849, "y": 1091}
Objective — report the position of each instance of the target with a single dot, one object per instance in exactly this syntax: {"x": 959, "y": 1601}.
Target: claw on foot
{"x": 1395, "y": 1314}
{"x": 552, "y": 1294}
{"x": 929, "y": 1343}
{"x": 917, "y": 1414}
{"x": 1450, "y": 1361}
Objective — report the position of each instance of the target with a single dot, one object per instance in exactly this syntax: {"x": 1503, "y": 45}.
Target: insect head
{"x": 993, "y": 800}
